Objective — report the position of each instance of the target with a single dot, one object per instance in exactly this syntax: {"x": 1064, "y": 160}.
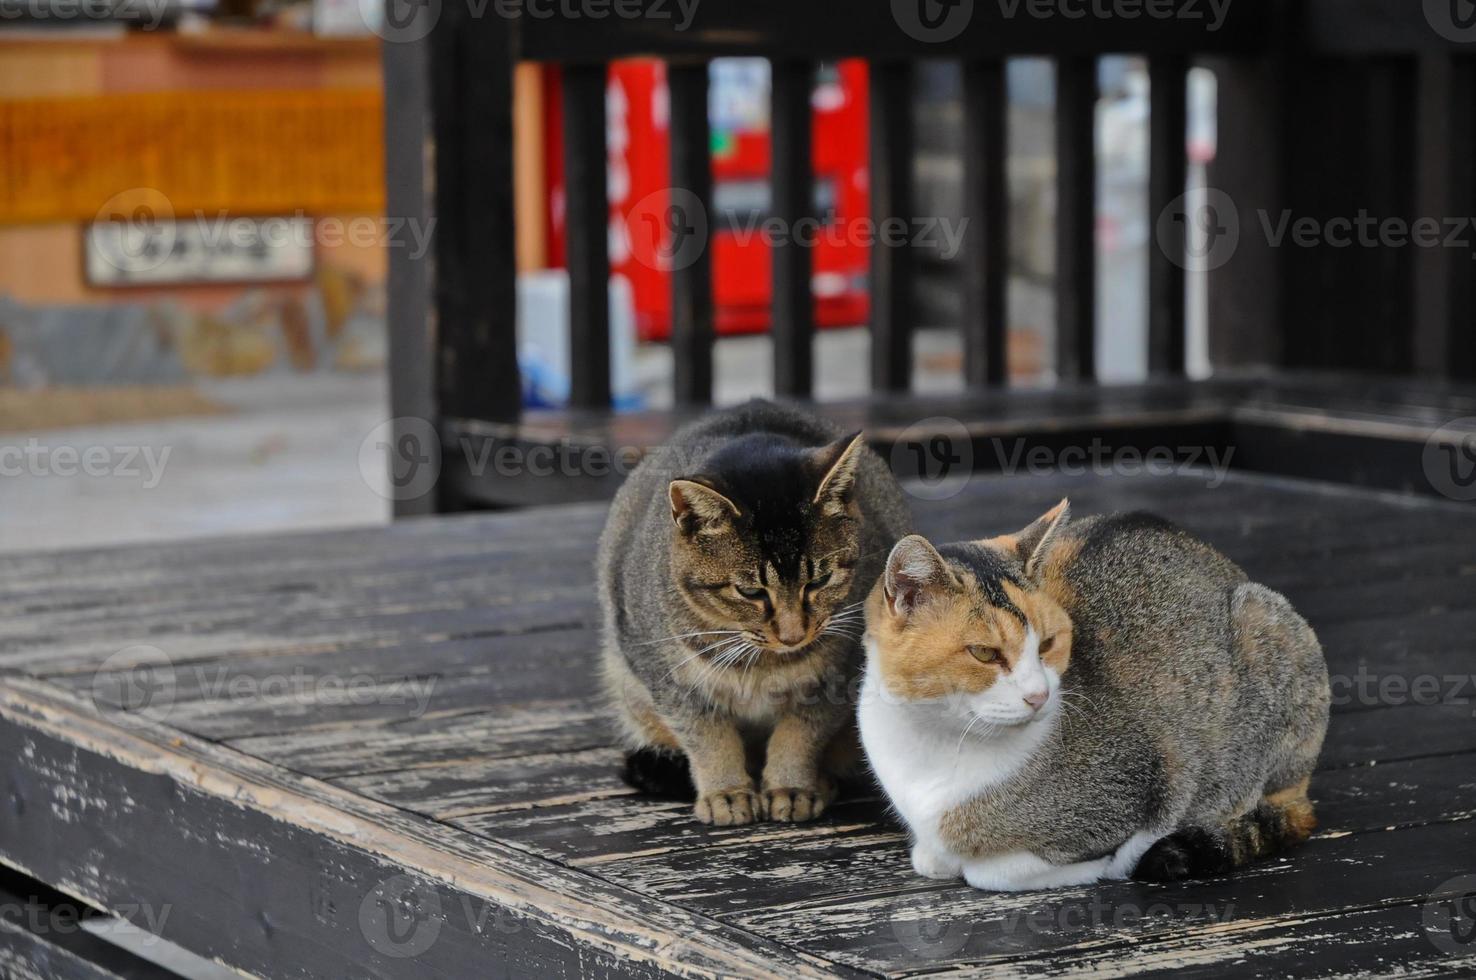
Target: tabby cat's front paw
{"x": 728, "y": 807}
{"x": 791, "y": 804}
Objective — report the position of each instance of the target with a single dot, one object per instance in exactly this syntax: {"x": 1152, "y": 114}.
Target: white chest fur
{"x": 924, "y": 763}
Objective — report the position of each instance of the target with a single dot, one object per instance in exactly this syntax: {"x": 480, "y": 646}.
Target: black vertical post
{"x": 588, "y": 221}
{"x": 474, "y": 277}
{"x": 986, "y": 208}
{"x": 1445, "y": 149}
{"x": 1076, "y": 216}
{"x": 407, "y": 108}
{"x": 1168, "y": 169}
{"x": 691, "y": 273}
{"x": 793, "y": 203}
{"x": 891, "y": 148}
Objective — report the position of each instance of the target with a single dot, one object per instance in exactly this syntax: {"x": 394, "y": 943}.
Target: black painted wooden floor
{"x": 379, "y": 753}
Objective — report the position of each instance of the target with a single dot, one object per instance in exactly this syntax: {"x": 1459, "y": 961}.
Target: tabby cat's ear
{"x": 1033, "y": 543}
{"x": 697, "y": 506}
{"x": 913, "y": 568}
{"x": 840, "y": 462}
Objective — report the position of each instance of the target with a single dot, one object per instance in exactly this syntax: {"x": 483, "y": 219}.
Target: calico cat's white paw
{"x": 729, "y": 807}
{"x": 929, "y": 863}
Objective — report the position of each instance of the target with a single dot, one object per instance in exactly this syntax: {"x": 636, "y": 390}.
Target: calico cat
{"x": 1098, "y": 699}
{"x": 732, "y": 572}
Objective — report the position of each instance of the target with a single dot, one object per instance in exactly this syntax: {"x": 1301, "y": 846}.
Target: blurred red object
{"x": 639, "y": 162}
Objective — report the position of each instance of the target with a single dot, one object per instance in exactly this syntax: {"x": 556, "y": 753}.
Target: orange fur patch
{"x": 924, "y": 655}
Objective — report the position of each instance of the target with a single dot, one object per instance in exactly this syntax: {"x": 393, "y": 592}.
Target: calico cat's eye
{"x": 819, "y": 581}
{"x": 1047, "y": 643}
{"x": 753, "y": 595}
{"x": 986, "y": 655}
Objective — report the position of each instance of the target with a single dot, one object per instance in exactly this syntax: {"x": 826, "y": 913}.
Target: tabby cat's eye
{"x": 753, "y": 595}
{"x": 986, "y": 655}
{"x": 1047, "y": 643}
{"x": 819, "y": 581}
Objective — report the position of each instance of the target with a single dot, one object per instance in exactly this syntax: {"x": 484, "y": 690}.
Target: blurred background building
{"x": 193, "y": 239}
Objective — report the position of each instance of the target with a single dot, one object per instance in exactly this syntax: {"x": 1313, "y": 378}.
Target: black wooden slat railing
{"x": 985, "y": 273}
{"x": 891, "y": 201}
{"x": 1076, "y": 218}
{"x": 588, "y": 222}
{"x": 1168, "y": 166}
{"x": 691, "y": 261}
{"x": 793, "y": 194}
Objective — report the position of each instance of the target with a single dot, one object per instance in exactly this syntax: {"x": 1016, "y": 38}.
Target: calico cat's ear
{"x": 913, "y": 567}
{"x": 1033, "y": 543}
{"x": 697, "y": 506}
{"x": 840, "y": 462}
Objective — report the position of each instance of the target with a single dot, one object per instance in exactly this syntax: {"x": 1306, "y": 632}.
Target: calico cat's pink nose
{"x": 1036, "y": 699}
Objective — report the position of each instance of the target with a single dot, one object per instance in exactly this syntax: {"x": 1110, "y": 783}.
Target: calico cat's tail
{"x": 656, "y": 772}
{"x": 1280, "y": 821}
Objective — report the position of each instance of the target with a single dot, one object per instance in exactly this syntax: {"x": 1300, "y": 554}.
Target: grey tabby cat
{"x": 1095, "y": 699}
{"x": 731, "y": 573}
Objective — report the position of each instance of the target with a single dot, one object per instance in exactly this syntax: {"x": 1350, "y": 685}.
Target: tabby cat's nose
{"x": 1036, "y": 699}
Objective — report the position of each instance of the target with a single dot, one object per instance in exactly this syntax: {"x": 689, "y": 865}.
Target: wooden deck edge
{"x": 67, "y": 754}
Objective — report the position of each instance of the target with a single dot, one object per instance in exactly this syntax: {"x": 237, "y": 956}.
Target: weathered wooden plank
{"x": 872, "y": 858}
{"x": 131, "y": 815}
{"x": 356, "y": 749}
{"x": 1392, "y": 941}
{"x": 445, "y": 792}
{"x": 956, "y": 926}
{"x": 42, "y": 937}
